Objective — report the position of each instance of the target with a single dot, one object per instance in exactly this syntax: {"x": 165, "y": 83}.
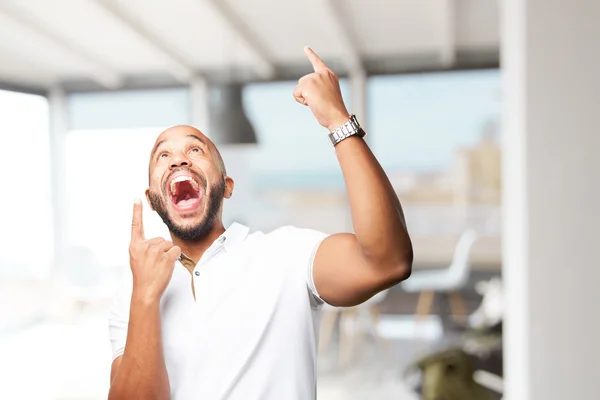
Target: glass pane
{"x": 292, "y": 176}
{"x": 437, "y": 136}
{"x": 25, "y": 204}
{"x": 106, "y": 170}
{"x": 127, "y": 109}
{"x": 418, "y": 121}
{"x": 26, "y": 240}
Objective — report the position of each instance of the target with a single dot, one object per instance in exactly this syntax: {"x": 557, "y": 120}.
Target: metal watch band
{"x": 350, "y": 128}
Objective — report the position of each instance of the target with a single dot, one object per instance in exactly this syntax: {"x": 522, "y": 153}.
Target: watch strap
{"x": 350, "y": 128}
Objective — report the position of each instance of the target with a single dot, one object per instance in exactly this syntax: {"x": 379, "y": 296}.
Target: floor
{"x": 67, "y": 356}
{"x": 70, "y": 359}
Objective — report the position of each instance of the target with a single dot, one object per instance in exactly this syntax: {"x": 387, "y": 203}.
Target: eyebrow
{"x": 157, "y": 146}
{"x": 197, "y": 138}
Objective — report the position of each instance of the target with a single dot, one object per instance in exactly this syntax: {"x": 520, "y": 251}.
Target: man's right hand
{"x": 152, "y": 261}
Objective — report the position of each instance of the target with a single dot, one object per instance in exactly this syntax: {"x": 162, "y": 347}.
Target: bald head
{"x": 190, "y": 133}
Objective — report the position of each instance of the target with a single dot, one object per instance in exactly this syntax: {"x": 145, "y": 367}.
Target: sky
{"x": 414, "y": 121}
{"x": 417, "y": 121}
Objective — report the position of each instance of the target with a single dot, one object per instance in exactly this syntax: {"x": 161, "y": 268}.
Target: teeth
{"x": 183, "y": 178}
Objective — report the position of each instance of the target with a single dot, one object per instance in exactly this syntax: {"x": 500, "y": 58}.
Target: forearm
{"x": 142, "y": 373}
{"x": 377, "y": 215}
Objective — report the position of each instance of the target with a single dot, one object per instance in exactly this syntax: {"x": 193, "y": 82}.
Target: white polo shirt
{"x": 251, "y": 332}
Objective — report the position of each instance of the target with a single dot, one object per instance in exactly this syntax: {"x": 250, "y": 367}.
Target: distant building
{"x": 477, "y": 171}
{"x": 438, "y": 204}
{"x": 473, "y": 178}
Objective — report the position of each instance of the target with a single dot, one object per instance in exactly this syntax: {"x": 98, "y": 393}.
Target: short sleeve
{"x": 317, "y": 300}
{"x": 119, "y": 315}
{"x": 304, "y": 243}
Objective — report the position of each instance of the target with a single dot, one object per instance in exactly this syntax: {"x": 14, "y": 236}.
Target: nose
{"x": 179, "y": 160}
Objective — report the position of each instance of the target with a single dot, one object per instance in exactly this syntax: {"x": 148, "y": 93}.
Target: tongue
{"x": 187, "y": 202}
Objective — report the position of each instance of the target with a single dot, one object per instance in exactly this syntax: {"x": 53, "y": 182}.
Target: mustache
{"x": 201, "y": 178}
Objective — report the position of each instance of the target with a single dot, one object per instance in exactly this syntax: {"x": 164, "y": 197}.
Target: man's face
{"x": 187, "y": 186}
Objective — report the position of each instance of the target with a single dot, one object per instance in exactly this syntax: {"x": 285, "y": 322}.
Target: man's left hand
{"x": 320, "y": 91}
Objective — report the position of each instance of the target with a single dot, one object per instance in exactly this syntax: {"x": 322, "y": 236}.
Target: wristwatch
{"x": 350, "y": 128}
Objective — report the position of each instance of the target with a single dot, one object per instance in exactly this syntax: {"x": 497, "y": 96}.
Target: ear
{"x": 148, "y": 199}
{"x": 229, "y": 184}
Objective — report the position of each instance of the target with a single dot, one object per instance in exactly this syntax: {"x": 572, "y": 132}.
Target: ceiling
{"x": 86, "y": 45}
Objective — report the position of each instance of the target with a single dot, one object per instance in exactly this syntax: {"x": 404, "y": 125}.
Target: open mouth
{"x": 185, "y": 192}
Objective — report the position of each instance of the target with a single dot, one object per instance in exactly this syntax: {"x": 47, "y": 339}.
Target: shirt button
{"x": 197, "y": 273}
{"x": 222, "y": 239}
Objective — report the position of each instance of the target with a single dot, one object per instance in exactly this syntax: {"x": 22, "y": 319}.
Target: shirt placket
{"x": 204, "y": 262}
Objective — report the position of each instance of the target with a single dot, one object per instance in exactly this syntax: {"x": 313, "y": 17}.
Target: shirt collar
{"x": 235, "y": 234}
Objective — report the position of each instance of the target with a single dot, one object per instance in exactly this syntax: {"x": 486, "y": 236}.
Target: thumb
{"x": 174, "y": 253}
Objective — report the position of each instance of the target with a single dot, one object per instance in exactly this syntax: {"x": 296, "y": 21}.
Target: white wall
{"x": 551, "y": 61}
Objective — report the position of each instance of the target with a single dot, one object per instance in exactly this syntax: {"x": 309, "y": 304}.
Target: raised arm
{"x": 140, "y": 373}
{"x": 350, "y": 268}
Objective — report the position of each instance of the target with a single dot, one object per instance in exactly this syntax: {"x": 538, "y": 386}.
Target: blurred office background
{"x": 87, "y": 85}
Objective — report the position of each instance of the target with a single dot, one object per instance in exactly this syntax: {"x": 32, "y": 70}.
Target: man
{"x": 224, "y": 314}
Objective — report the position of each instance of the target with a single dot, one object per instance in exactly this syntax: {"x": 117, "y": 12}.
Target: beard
{"x": 199, "y": 229}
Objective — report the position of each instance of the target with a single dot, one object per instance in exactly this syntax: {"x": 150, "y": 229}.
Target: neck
{"x": 194, "y": 249}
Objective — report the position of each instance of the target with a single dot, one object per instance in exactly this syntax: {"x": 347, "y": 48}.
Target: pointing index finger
{"x": 137, "y": 226}
{"x": 317, "y": 63}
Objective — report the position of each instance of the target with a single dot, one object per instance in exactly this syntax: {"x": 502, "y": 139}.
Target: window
{"x": 418, "y": 121}
{"x": 107, "y": 154}
{"x": 106, "y": 170}
{"x": 25, "y": 204}
{"x": 436, "y": 135}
